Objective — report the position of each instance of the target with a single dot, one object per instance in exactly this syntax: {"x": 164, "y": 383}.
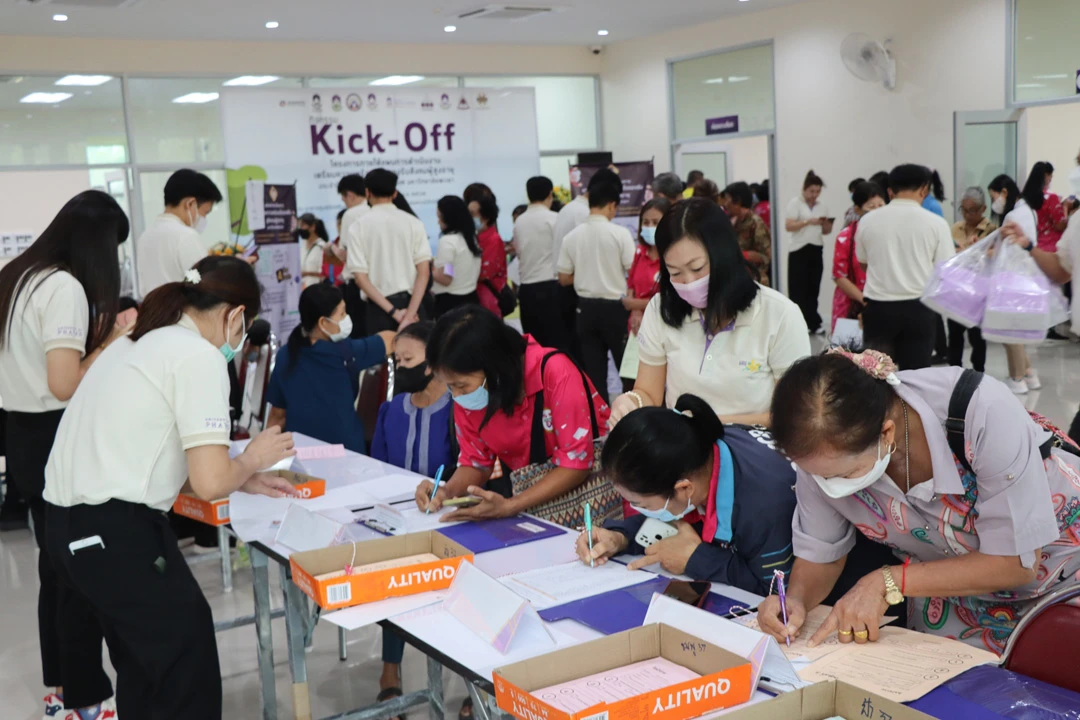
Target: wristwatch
{"x": 893, "y": 596}
{"x": 1030, "y": 246}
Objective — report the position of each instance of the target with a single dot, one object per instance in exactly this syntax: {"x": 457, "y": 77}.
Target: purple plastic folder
{"x": 619, "y": 610}
{"x": 488, "y": 535}
{"x": 993, "y": 693}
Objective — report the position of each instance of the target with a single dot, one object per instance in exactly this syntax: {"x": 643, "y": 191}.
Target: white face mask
{"x": 999, "y": 205}
{"x": 197, "y": 221}
{"x": 842, "y": 487}
{"x": 345, "y": 328}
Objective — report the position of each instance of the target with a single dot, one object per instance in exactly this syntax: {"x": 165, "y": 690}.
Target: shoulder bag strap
{"x": 955, "y": 424}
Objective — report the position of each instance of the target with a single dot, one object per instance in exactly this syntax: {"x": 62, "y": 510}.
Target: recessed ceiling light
{"x": 450, "y": 28}
{"x": 397, "y": 80}
{"x": 714, "y": 81}
{"x": 46, "y": 97}
{"x": 196, "y": 98}
{"x": 84, "y": 80}
{"x": 1059, "y": 76}
{"x": 60, "y": 17}
{"x": 251, "y": 80}
{"x": 1031, "y": 85}
{"x": 272, "y": 25}
{"x": 738, "y": 78}
{"x": 601, "y": 33}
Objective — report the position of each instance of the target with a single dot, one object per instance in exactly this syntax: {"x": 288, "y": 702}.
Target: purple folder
{"x": 993, "y": 693}
{"x": 488, "y": 535}
{"x": 618, "y": 610}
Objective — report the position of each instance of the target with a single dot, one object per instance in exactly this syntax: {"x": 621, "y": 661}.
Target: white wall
{"x": 951, "y": 57}
{"x": 1053, "y": 134}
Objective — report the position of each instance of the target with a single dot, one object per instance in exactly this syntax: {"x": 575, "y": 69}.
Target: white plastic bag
{"x": 1021, "y": 303}
{"x": 958, "y": 288}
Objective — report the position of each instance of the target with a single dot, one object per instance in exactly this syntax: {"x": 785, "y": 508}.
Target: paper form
{"x": 550, "y": 586}
{"x": 390, "y": 488}
{"x": 800, "y": 649}
{"x": 320, "y": 452}
{"x": 615, "y": 685}
{"x": 902, "y": 665}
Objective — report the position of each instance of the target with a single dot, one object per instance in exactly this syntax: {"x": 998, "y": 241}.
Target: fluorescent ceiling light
{"x": 1031, "y": 85}
{"x": 46, "y": 97}
{"x": 397, "y": 80}
{"x": 251, "y": 80}
{"x": 272, "y": 25}
{"x": 450, "y": 28}
{"x": 1060, "y": 76}
{"x": 714, "y": 81}
{"x": 84, "y": 80}
{"x": 738, "y": 78}
{"x": 196, "y": 98}
{"x": 601, "y": 33}
{"x": 59, "y": 17}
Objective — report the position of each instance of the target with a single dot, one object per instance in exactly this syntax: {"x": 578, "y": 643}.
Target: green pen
{"x": 588, "y": 529}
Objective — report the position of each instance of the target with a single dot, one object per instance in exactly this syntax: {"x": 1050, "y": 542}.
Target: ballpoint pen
{"x": 778, "y": 575}
{"x": 438, "y": 479}
{"x": 588, "y": 530}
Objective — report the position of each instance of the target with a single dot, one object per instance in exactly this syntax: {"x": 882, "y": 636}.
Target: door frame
{"x": 701, "y": 147}
{"x": 962, "y": 119}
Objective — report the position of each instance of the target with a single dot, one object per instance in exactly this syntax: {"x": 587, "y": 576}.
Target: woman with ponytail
{"x": 151, "y": 418}
{"x": 726, "y": 490}
{"x": 316, "y": 377}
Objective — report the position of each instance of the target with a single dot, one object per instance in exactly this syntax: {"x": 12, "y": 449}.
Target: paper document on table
{"x": 391, "y": 488}
{"x": 800, "y": 648}
{"x": 392, "y": 520}
{"x": 360, "y": 616}
{"x": 320, "y": 452}
{"x": 614, "y": 685}
{"x": 551, "y": 586}
{"x": 902, "y": 665}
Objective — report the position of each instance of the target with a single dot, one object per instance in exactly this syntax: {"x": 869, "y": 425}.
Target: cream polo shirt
{"x": 165, "y": 251}
{"x": 736, "y": 371}
{"x": 50, "y": 313}
{"x": 598, "y": 253}
{"x": 797, "y": 209}
{"x": 572, "y": 214}
{"x": 138, "y": 409}
{"x": 387, "y": 244}
{"x": 351, "y": 216}
{"x": 534, "y": 238}
{"x": 900, "y": 244}
{"x": 311, "y": 260}
{"x": 453, "y": 251}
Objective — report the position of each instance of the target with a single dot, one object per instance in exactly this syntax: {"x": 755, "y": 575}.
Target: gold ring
{"x": 862, "y": 634}
{"x": 845, "y": 633}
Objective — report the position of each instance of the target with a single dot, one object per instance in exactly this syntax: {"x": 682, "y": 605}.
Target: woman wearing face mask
{"x": 712, "y": 329}
{"x": 151, "y": 417}
{"x": 313, "y": 243}
{"x": 728, "y": 492}
{"x": 457, "y": 262}
{"x": 316, "y": 376}
{"x": 643, "y": 279}
{"x": 978, "y": 537}
{"x": 517, "y": 402}
{"x": 848, "y": 273}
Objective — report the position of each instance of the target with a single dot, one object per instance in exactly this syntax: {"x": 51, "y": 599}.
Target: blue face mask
{"x": 648, "y": 235}
{"x": 476, "y": 400}
{"x": 663, "y": 514}
{"x": 476, "y": 222}
{"x": 228, "y": 350}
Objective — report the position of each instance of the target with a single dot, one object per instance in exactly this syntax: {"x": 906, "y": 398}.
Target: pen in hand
{"x": 588, "y": 530}
{"x": 778, "y": 576}
{"x": 438, "y": 479}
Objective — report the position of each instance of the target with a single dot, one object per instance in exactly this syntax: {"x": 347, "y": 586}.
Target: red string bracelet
{"x": 903, "y": 576}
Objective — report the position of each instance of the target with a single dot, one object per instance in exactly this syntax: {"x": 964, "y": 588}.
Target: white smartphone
{"x": 653, "y": 531}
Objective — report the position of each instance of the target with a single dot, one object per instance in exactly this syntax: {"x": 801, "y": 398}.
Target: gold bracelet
{"x": 640, "y": 402}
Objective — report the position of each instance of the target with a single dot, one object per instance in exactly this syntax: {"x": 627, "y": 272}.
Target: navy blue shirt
{"x": 754, "y": 505}
{"x": 417, "y": 439}
{"x": 318, "y": 392}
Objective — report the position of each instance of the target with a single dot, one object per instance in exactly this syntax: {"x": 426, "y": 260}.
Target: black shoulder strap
{"x": 958, "y": 406}
{"x": 537, "y": 449}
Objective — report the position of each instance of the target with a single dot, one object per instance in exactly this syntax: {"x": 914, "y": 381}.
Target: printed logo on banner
{"x": 353, "y": 102}
{"x": 444, "y": 101}
{"x": 482, "y": 100}
{"x": 335, "y": 103}
{"x": 292, "y": 103}
{"x": 372, "y": 101}
{"x": 427, "y": 104}
{"x": 389, "y": 102}
{"x": 316, "y": 103}
{"x": 463, "y": 104}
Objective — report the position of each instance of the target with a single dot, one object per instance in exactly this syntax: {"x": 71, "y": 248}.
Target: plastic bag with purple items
{"x": 1021, "y": 302}
{"x": 958, "y": 288}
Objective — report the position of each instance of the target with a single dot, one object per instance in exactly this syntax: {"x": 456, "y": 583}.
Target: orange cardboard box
{"x": 216, "y": 512}
{"x": 346, "y": 591}
{"x": 724, "y": 682}
{"x": 826, "y": 700}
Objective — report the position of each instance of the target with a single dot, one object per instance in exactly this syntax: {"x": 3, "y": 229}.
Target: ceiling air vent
{"x": 510, "y": 13}
{"x": 91, "y": 4}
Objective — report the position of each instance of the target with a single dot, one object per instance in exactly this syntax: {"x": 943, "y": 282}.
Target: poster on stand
{"x": 278, "y": 267}
{"x": 637, "y": 180}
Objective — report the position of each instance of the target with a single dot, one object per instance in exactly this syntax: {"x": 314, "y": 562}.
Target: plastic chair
{"x": 1048, "y": 627}
{"x": 376, "y": 387}
{"x": 256, "y": 409}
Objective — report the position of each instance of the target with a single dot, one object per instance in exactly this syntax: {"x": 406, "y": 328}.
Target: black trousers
{"x": 905, "y": 330}
{"x": 68, "y": 630}
{"x": 445, "y": 302}
{"x": 805, "y": 266}
{"x": 601, "y": 328}
{"x": 156, "y": 621}
{"x": 541, "y": 315}
{"x": 568, "y": 306}
{"x": 355, "y": 307}
{"x": 956, "y": 346}
{"x": 13, "y": 499}
{"x": 375, "y": 320}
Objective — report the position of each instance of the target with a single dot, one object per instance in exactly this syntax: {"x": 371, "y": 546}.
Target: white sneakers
{"x": 1019, "y": 387}
{"x": 1032, "y": 380}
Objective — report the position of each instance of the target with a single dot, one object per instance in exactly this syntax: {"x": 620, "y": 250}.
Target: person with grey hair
{"x": 974, "y": 227}
{"x": 668, "y": 185}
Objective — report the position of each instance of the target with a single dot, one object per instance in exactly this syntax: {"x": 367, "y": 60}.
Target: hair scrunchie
{"x": 876, "y": 364}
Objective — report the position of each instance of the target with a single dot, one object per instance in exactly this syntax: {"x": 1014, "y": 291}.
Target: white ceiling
{"x": 395, "y": 21}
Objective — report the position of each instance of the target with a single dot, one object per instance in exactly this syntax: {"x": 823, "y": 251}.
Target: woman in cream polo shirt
{"x": 151, "y": 415}
{"x": 712, "y": 331}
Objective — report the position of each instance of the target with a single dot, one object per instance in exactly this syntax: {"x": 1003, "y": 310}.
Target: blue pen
{"x": 438, "y": 479}
{"x": 588, "y": 529}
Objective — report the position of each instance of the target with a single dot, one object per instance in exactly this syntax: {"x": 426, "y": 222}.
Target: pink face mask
{"x": 696, "y": 293}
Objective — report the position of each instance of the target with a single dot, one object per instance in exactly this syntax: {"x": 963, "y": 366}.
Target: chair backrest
{"x": 1052, "y": 624}
{"x": 376, "y": 386}
{"x": 255, "y": 408}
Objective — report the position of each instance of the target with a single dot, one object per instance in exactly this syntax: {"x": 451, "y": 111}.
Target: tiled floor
{"x": 339, "y": 686}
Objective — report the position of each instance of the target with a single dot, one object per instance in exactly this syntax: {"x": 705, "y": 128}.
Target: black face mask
{"x": 412, "y": 380}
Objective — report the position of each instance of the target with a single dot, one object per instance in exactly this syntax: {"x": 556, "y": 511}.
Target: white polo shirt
{"x": 900, "y": 245}
{"x": 351, "y": 216}
{"x": 138, "y": 409}
{"x": 598, "y": 253}
{"x": 50, "y": 313}
{"x": 797, "y": 209}
{"x": 534, "y": 238}
{"x": 735, "y": 371}
{"x": 1068, "y": 252}
{"x": 311, "y": 260}
{"x": 572, "y": 214}
{"x": 167, "y": 250}
{"x": 454, "y": 251}
{"x": 387, "y": 244}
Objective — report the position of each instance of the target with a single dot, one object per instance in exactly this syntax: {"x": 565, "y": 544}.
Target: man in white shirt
{"x": 353, "y": 195}
{"x": 534, "y": 244}
{"x": 171, "y": 245}
{"x": 389, "y": 258}
{"x": 594, "y": 259}
{"x": 899, "y": 245}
